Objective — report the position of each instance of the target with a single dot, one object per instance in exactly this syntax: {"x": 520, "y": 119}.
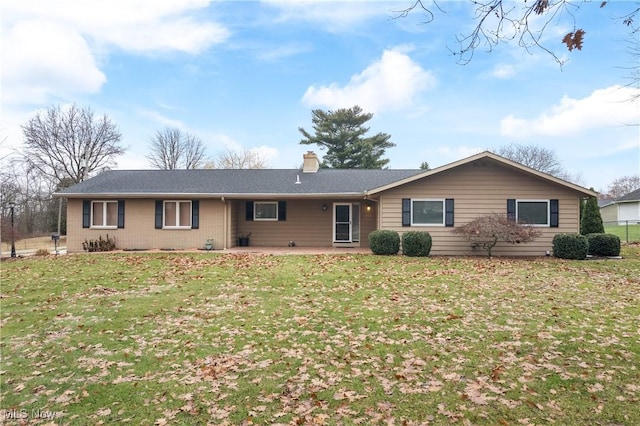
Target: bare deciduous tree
{"x": 70, "y": 143}
{"x": 30, "y": 191}
{"x": 172, "y": 149}
{"x": 633, "y": 50}
{"x": 499, "y": 21}
{"x": 240, "y": 159}
{"x": 622, "y": 186}
{"x": 538, "y": 158}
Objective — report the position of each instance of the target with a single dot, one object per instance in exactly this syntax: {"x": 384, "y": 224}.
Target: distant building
{"x": 625, "y": 209}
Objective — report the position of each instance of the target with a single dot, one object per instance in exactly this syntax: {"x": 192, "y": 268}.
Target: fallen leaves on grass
{"x": 255, "y": 339}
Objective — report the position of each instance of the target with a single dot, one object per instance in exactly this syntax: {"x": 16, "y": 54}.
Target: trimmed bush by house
{"x": 416, "y": 243}
{"x": 604, "y": 244}
{"x": 384, "y": 242}
{"x": 100, "y": 244}
{"x": 570, "y": 246}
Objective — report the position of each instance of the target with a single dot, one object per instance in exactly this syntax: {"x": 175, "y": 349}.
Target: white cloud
{"x": 43, "y": 58}
{"x": 55, "y": 51}
{"x": 392, "y": 82}
{"x": 610, "y": 107}
{"x": 335, "y": 16}
{"x": 161, "y": 119}
{"x": 503, "y": 71}
{"x": 180, "y": 34}
{"x": 219, "y": 143}
{"x": 131, "y": 25}
{"x": 267, "y": 153}
{"x": 272, "y": 54}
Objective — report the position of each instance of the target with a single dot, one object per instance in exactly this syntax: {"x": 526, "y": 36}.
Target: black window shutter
{"x": 158, "y": 214}
{"x": 555, "y": 213}
{"x": 120, "y": 213}
{"x": 448, "y": 212}
{"x": 282, "y": 211}
{"x": 511, "y": 209}
{"x": 249, "y": 210}
{"x": 86, "y": 213}
{"x": 406, "y": 212}
{"x": 195, "y": 214}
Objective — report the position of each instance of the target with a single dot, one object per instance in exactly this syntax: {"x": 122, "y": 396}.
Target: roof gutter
{"x": 254, "y": 196}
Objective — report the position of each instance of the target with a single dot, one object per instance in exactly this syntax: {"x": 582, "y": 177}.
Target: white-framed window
{"x": 533, "y": 212}
{"x": 427, "y": 212}
{"x": 177, "y": 214}
{"x": 265, "y": 210}
{"x": 104, "y": 214}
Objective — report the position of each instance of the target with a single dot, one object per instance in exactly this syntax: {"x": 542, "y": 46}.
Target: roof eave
{"x": 261, "y": 195}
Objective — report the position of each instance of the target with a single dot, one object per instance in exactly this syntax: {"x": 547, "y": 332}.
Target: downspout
{"x": 60, "y": 216}
{"x": 225, "y": 235}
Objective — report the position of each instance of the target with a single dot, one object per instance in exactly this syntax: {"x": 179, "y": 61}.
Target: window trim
{"x": 104, "y": 214}
{"x": 177, "y": 203}
{"x": 265, "y": 219}
{"x": 444, "y": 211}
{"x": 526, "y": 200}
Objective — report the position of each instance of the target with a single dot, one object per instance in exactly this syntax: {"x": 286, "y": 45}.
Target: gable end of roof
{"x": 484, "y": 155}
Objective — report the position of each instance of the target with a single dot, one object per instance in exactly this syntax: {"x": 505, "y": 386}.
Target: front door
{"x": 346, "y": 222}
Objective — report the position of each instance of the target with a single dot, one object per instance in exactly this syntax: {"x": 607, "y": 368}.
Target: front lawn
{"x": 197, "y": 338}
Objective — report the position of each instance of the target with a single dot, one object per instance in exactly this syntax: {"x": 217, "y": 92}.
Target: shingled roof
{"x": 268, "y": 183}
{"x": 236, "y": 183}
{"x": 632, "y": 196}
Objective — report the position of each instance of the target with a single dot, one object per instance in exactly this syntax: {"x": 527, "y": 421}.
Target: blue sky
{"x": 246, "y": 75}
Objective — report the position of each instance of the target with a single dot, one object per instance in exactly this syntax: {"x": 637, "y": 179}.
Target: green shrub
{"x": 604, "y": 244}
{"x": 416, "y": 243}
{"x": 591, "y": 221}
{"x": 570, "y": 246}
{"x": 384, "y": 242}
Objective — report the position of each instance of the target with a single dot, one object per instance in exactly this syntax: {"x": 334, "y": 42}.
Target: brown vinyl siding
{"x": 368, "y": 221}
{"x": 139, "y": 232}
{"x": 479, "y": 189}
{"x": 307, "y": 224}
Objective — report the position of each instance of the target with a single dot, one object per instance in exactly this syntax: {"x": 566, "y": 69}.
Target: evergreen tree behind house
{"x": 591, "y": 221}
{"x": 342, "y": 134}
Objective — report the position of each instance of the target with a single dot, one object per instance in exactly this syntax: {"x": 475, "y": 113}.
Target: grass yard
{"x": 630, "y": 233}
{"x": 197, "y": 338}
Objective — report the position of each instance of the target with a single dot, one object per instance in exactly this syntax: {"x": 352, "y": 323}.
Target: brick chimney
{"x": 311, "y": 163}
